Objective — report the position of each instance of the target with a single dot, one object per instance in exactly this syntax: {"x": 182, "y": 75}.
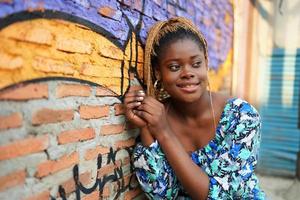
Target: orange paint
{"x": 43, "y": 48}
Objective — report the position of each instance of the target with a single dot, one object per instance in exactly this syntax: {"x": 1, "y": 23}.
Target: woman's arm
{"x": 154, "y": 173}
{"x": 152, "y": 169}
{"x": 146, "y": 137}
{"x": 194, "y": 180}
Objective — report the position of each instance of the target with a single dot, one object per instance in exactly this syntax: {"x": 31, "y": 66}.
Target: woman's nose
{"x": 186, "y": 72}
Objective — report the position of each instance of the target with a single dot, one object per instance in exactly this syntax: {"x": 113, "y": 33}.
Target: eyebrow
{"x": 176, "y": 59}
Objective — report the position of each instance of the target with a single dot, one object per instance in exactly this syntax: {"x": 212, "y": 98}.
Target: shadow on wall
{"x": 281, "y": 114}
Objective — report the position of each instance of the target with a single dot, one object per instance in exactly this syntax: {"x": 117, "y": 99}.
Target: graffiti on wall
{"x": 97, "y": 40}
{"x": 78, "y": 58}
{"x": 99, "y": 185}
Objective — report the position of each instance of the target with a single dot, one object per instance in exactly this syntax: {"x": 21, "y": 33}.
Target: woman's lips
{"x": 189, "y": 88}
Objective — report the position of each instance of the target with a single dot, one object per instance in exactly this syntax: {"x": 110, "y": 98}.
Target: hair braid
{"x": 159, "y": 30}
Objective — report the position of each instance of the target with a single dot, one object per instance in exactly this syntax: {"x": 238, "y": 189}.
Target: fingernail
{"x": 140, "y": 98}
{"x": 141, "y": 92}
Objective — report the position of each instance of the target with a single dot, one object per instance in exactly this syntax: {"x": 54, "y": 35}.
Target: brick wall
{"x": 64, "y": 67}
{"x": 51, "y": 129}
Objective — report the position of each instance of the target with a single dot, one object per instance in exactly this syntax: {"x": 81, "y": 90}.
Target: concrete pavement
{"x": 280, "y": 188}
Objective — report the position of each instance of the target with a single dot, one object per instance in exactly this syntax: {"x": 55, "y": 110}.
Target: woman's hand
{"x": 132, "y": 100}
{"x": 153, "y": 113}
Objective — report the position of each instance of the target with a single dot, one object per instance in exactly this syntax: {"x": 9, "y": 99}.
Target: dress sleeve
{"x": 155, "y": 175}
{"x": 232, "y": 173}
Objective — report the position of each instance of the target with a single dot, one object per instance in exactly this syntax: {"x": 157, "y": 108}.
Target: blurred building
{"x": 266, "y": 72}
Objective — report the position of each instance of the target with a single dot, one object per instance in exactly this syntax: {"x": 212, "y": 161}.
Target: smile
{"x": 189, "y": 88}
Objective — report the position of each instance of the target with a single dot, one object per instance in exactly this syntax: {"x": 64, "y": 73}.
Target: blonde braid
{"x": 148, "y": 52}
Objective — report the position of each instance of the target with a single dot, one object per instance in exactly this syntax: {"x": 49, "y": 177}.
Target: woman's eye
{"x": 197, "y": 64}
{"x": 174, "y": 67}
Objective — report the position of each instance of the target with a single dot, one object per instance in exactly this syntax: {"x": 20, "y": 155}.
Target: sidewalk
{"x": 278, "y": 188}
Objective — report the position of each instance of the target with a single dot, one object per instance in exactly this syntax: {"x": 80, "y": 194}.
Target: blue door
{"x": 280, "y": 114}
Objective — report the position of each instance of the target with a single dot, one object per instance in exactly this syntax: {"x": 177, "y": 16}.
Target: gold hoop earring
{"x": 160, "y": 93}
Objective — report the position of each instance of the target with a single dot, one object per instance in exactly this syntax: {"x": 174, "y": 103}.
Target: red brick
{"x": 106, "y": 191}
{"x": 76, "y": 135}
{"x": 13, "y": 120}
{"x": 125, "y": 143}
{"x": 93, "y": 112}
{"x": 119, "y": 109}
{"x": 69, "y": 185}
{"x": 132, "y": 193}
{"x": 41, "y": 196}
{"x": 107, "y": 169}
{"x": 93, "y": 153}
{"x": 12, "y": 179}
{"x": 52, "y": 166}
{"x": 25, "y": 92}
{"x": 24, "y": 147}
{"x": 73, "y": 90}
{"x": 131, "y": 179}
{"x": 74, "y": 45}
{"x": 96, "y": 194}
{"x": 46, "y": 116}
{"x": 127, "y": 179}
{"x": 49, "y": 65}
{"x": 101, "y": 91}
{"x": 111, "y": 129}
{"x": 92, "y": 196}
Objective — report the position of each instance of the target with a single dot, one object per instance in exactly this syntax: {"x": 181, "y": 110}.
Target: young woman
{"x": 196, "y": 144}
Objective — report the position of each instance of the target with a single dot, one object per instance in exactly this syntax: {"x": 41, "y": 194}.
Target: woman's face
{"x": 182, "y": 70}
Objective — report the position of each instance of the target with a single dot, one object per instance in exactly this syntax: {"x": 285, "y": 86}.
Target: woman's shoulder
{"x": 237, "y": 110}
{"x": 242, "y": 106}
{"x": 232, "y": 103}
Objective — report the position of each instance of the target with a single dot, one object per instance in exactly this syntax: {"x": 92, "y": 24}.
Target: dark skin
{"x": 187, "y": 125}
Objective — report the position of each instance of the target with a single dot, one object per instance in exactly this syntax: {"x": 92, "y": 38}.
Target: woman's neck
{"x": 192, "y": 110}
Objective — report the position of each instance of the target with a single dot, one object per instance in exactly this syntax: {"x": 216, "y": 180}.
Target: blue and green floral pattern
{"x": 229, "y": 159}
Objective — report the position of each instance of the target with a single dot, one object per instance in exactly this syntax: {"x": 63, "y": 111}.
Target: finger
{"x": 136, "y": 92}
{"x": 130, "y": 99}
{"x": 133, "y": 105}
{"x": 152, "y": 104}
{"x": 143, "y": 115}
{"x": 135, "y": 119}
{"x": 147, "y": 108}
{"x": 154, "y": 101}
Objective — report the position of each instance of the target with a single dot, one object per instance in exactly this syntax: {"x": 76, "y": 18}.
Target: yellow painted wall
{"x": 43, "y": 48}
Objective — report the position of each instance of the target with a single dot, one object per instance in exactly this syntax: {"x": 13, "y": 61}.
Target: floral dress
{"x": 229, "y": 159}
